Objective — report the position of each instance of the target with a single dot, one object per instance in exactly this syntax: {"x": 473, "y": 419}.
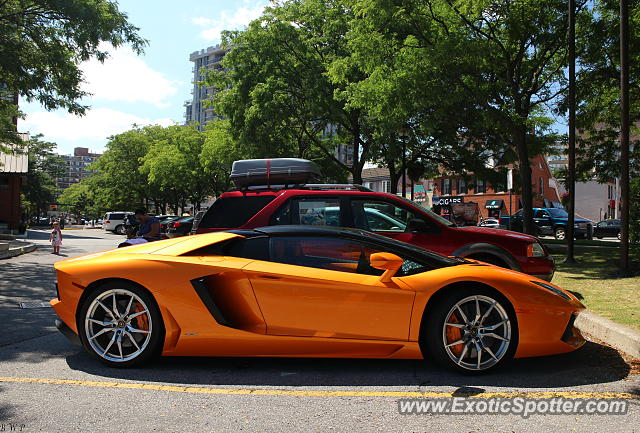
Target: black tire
{"x": 119, "y": 230}
{"x": 433, "y": 333}
{"x": 491, "y": 259}
{"x": 153, "y": 339}
{"x": 560, "y": 233}
{"x": 619, "y": 235}
{"x": 599, "y": 237}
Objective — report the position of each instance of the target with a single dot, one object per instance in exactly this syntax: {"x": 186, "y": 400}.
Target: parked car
{"x": 308, "y": 291}
{"x": 180, "y": 227}
{"x": 314, "y": 204}
{"x": 607, "y": 229}
{"x": 551, "y": 221}
{"x": 115, "y": 222}
{"x": 491, "y": 223}
{"x": 165, "y": 220}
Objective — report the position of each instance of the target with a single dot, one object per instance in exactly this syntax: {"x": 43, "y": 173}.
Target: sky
{"x": 149, "y": 89}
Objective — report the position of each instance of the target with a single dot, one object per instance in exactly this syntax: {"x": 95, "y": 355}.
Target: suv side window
{"x": 233, "y": 212}
{"x": 380, "y": 216}
{"x": 324, "y": 211}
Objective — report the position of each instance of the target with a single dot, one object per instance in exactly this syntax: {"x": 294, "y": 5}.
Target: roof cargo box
{"x": 276, "y": 171}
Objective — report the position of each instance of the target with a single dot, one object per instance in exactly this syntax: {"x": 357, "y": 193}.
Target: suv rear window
{"x": 233, "y": 212}
{"x": 115, "y": 216}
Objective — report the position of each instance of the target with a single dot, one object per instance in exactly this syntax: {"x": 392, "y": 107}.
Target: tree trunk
{"x": 394, "y": 175}
{"x": 520, "y": 139}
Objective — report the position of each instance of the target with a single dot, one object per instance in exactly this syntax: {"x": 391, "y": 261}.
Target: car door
{"x": 388, "y": 218}
{"x": 542, "y": 219}
{"x": 315, "y": 286}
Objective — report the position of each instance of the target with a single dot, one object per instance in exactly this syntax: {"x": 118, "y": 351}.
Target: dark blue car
{"x": 551, "y": 221}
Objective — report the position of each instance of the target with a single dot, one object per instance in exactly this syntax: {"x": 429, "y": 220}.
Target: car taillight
{"x": 176, "y": 225}
{"x": 107, "y": 222}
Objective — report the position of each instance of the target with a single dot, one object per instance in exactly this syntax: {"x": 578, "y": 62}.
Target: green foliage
{"x": 168, "y": 168}
{"x": 599, "y": 91}
{"x": 42, "y": 44}
{"x": 43, "y": 167}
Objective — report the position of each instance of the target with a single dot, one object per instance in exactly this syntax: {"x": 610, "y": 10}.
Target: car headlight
{"x": 535, "y": 250}
{"x": 553, "y": 289}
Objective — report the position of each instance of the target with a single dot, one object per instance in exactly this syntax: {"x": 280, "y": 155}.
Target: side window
{"x": 233, "y": 212}
{"x": 256, "y": 248}
{"x": 541, "y": 214}
{"x": 316, "y": 211}
{"x": 323, "y": 253}
{"x": 380, "y": 216}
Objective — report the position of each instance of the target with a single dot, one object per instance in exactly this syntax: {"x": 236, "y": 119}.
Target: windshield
{"x": 558, "y": 213}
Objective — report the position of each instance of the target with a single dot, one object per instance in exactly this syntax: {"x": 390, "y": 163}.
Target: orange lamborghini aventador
{"x": 303, "y": 291}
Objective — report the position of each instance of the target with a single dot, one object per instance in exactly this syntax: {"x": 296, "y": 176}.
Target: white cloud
{"x": 97, "y": 124}
{"x": 229, "y": 19}
{"x": 126, "y": 77}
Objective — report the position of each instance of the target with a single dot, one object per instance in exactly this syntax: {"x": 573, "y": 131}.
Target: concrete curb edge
{"x": 618, "y": 336}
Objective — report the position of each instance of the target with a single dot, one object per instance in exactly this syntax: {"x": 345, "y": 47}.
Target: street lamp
{"x": 403, "y": 133}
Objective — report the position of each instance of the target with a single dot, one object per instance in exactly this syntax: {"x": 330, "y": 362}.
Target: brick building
{"x": 495, "y": 200}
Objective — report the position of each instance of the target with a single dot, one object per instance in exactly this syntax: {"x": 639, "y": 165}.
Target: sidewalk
{"x": 14, "y": 248}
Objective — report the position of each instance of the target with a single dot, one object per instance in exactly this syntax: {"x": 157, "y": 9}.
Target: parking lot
{"x": 47, "y": 384}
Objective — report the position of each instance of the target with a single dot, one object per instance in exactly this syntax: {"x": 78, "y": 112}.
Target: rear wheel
{"x": 559, "y": 233}
{"x": 470, "y": 330}
{"x": 119, "y": 229}
{"x": 120, "y": 324}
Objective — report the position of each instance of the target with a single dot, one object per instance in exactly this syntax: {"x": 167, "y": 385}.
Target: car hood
{"x": 499, "y": 233}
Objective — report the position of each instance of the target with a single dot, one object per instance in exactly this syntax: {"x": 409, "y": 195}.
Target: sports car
{"x": 305, "y": 291}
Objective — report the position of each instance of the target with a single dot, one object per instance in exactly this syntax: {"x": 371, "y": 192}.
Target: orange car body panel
{"x": 287, "y": 310}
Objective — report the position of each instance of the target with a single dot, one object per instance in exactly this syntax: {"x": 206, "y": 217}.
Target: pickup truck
{"x": 551, "y": 221}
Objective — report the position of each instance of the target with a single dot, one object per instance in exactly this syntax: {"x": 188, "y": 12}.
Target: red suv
{"x": 382, "y": 213}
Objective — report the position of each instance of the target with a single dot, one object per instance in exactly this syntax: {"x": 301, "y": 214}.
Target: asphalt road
{"x": 47, "y": 384}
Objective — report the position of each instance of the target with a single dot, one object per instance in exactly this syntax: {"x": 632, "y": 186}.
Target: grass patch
{"x": 597, "y": 280}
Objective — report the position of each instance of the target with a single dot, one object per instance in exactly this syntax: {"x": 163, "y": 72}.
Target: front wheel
{"x": 120, "y": 324}
{"x": 470, "y": 330}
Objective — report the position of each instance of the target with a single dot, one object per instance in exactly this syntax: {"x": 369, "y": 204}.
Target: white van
{"x": 114, "y": 221}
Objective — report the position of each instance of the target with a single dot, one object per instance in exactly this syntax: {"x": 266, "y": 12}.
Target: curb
{"x": 16, "y": 251}
{"x": 618, "y": 336}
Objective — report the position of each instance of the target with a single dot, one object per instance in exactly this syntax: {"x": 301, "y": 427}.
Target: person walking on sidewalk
{"x": 56, "y": 238}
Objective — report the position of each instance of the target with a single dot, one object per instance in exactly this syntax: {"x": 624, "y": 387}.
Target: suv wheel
{"x": 119, "y": 229}
{"x": 559, "y": 233}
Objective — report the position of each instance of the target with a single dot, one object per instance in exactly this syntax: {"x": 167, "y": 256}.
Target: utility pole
{"x": 404, "y": 134}
{"x": 624, "y": 135}
{"x": 571, "y": 172}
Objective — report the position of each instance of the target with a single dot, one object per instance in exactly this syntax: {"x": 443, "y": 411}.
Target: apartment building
{"x": 77, "y": 166}
{"x": 195, "y": 109}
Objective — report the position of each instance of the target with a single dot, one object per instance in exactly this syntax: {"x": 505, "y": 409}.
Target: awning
{"x": 494, "y": 204}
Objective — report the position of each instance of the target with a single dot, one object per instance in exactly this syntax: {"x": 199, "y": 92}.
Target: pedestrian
{"x": 56, "y": 238}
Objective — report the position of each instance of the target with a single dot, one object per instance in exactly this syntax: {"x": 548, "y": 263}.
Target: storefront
{"x": 494, "y": 207}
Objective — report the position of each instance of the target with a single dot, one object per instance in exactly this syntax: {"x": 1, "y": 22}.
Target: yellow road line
{"x": 309, "y": 393}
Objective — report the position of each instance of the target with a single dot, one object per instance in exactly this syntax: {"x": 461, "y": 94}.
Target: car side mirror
{"x": 388, "y": 262}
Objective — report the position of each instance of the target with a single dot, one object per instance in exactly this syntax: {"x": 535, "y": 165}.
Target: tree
{"x": 495, "y": 65}
{"x": 44, "y": 166}
{"x": 42, "y": 44}
{"x": 276, "y": 91}
{"x": 598, "y": 116}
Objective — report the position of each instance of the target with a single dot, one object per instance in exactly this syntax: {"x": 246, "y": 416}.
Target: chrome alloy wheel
{"x": 477, "y": 332}
{"x": 118, "y": 325}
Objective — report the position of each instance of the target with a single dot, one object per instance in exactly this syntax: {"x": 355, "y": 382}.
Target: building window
{"x": 480, "y": 187}
{"x": 446, "y": 186}
{"x": 541, "y": 184}
{"x": 386, "y": 186}
{"x": 462, "y": 186}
